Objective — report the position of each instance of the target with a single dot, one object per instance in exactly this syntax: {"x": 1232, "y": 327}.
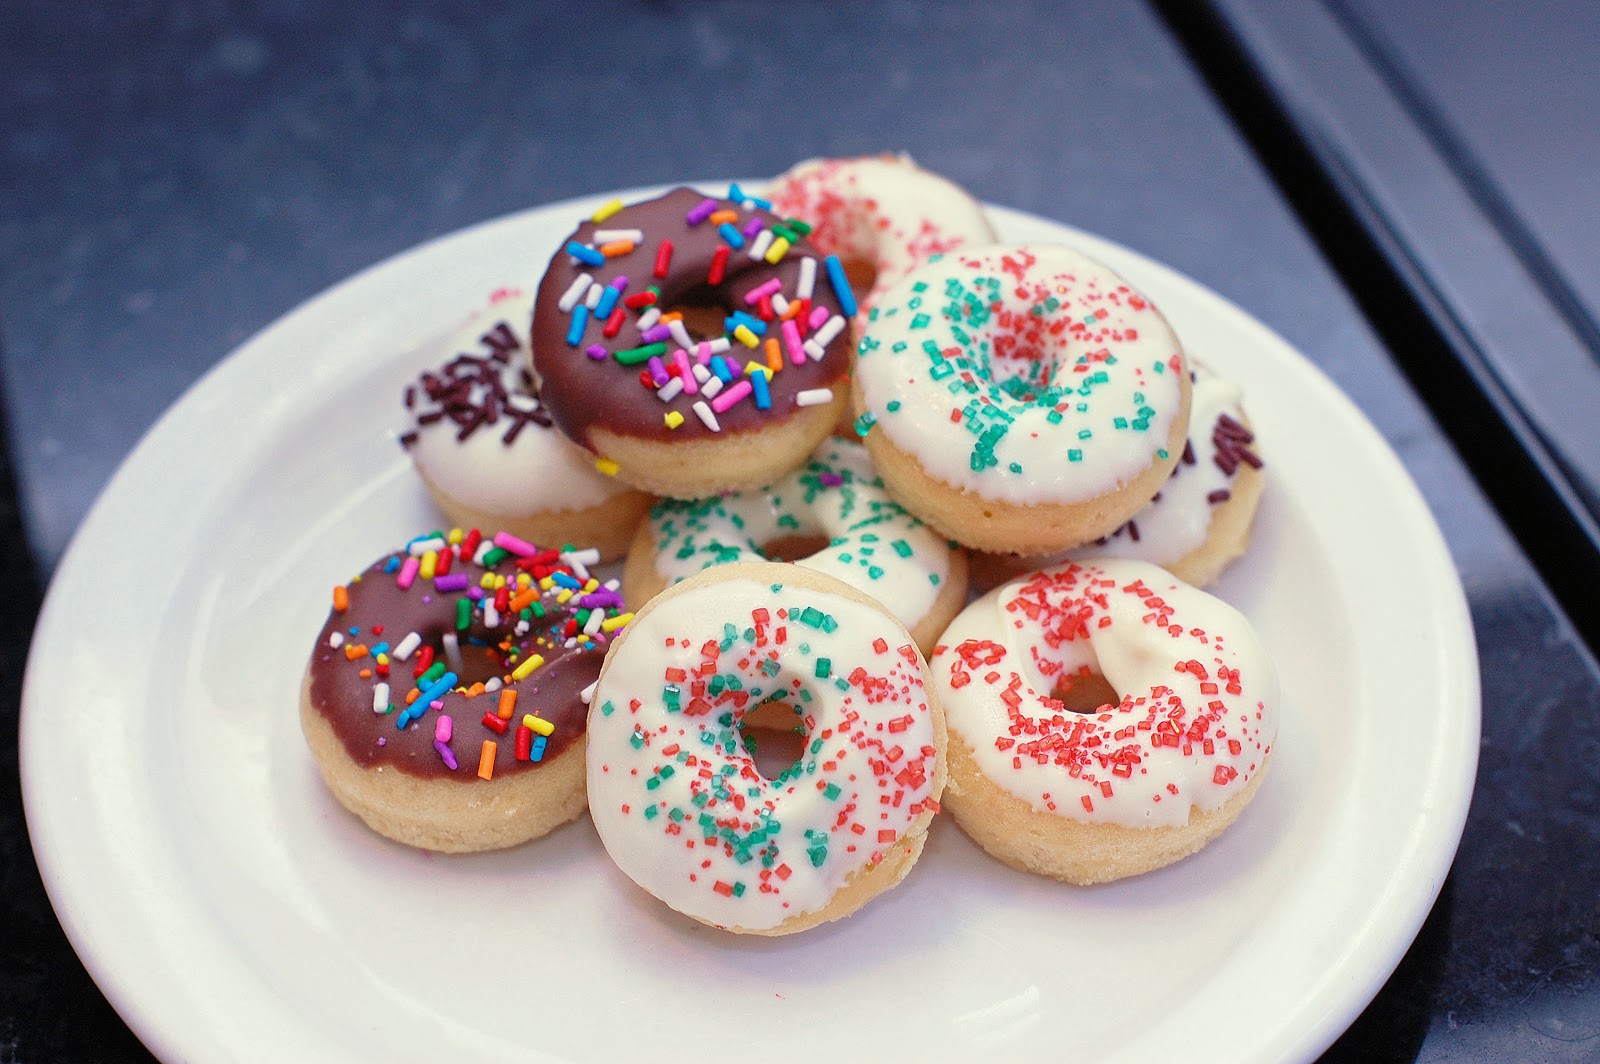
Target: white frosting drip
{"x": 664, "y": 780}
{"x": 884, "y": 210}
{"x": 1025, "y": 374}
{"x": 1137, "y": 626}
{"x": 540, "y": 470}
{"x": 876, "y": 547}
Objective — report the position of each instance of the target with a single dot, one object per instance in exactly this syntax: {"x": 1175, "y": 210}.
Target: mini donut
{"x": 1105, "y": 719}
{"x": 831, "y": 515}
{"x": 1199, "y": 521}
{"x": 675, "y": 794}
{"x": 488, "y": 453}
{"x": 883, "y": 215}
{"x": 1021, "y": 399}
{"x": 443, "y": 700}
{"x": 649, "y": 328}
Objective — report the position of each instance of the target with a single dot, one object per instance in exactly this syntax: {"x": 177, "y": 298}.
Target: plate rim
{"x": 1452, "y": 778}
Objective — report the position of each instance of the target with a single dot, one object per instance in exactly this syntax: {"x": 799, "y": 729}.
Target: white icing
{"x": 540, "y": 470}
{"x": 884, "y": 210}
{"x": 876, "y": 547}
{"x": 868, "y": 766}
{"x": 966, "y": 360}
{"x": 1178, "y": 520}
{"x": 1136, "y": 625}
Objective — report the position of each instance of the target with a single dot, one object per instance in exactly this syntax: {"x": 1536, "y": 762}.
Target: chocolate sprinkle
{"x": 470, "y": 391}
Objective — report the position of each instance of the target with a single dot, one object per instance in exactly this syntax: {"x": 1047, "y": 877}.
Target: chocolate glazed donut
{"x": 358, "y": 647}
{"x": 603, "y": 376}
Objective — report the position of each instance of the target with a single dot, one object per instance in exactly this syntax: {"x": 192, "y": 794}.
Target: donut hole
{"x": 775, "y": 751}
{"x": 471, "y": 662}
{"x": 861, "y": 273}
{"x": 793, "y": 547}
{"x": 1086, "y": 692}
{"x": 703, "y": 309}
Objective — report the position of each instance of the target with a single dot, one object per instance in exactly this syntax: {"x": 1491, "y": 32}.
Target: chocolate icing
{"x": 344, "y": 697}
{"x": 581, "y": 392}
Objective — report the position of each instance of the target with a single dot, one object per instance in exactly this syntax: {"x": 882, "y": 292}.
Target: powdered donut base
{"x": 1070, "y": 850}
{"x": 1227, "y": 538}
{"x": 468, "y": 815}
{"x": 1003, "y": 527}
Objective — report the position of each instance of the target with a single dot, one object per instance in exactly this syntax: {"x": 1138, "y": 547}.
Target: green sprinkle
{"x": 894, "y": 406}
{"x": 1074, "y": 455}
{"x": 831, "y": 791}
{"x": 824, "y": 668}
{"x": 606, "y": 708}
{"x": 865, "y": 422}
{"x": 902, "y": 548}
{"x": 651, "y": 812}
{"x": 494, "y": 557}
{"x": 635, "y": 356}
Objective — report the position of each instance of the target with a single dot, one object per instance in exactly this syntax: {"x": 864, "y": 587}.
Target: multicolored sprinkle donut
{"x": 443, "y": 700}
{"x": 681, "y": 805}
{"x": 1165, "y": 752}
{"x": 883, "y": 215}
{"x": 1200, "y": 519}
{"x": 1021, "y": 399}
{"x": 487, "y": 451}
{"x": 693, "y": 344}
{"x": 866, "y": 539}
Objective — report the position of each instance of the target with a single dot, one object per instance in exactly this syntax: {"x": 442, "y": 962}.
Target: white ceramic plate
{"x": 231, "y": 910}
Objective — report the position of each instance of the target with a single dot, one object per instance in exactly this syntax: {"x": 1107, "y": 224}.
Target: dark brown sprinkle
{"x": 1230, "y": 439}
{"x": 470, "y": 390}
{"x": 1156, "y": 497}
{"x": 1188, "y": 452}
{"x": 501, "y": 342}
{"x": 1220, "y": 495}
{"x": 408, "y": 438}
{"x": 1229, "y": 427}
{"x": 411, "y": 396}
{"x": 1133, "y": 530}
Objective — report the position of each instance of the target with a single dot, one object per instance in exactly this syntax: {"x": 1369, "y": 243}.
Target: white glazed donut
{"x": 1021, "y": 399}
{"x": 1096, "y": 794}
{"x": 679, "y": 802}
{"x": 871, "y": 543}
{"x": 1200, "y": 519}
{"x": 486, "y": 449}
{"x": 883, "y": 215}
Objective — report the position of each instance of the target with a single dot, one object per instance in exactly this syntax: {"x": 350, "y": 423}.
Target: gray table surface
{"x": 176, "y": 176}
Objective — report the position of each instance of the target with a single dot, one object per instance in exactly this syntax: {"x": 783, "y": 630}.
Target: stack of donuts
{"x": 812, "y": 423}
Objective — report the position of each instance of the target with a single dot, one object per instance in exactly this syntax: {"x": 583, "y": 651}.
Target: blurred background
{"x": 1401, "y": 189}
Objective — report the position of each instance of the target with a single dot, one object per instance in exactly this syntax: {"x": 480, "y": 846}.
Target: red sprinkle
{"x": 663, "y": 259}
{"x": 719, "y": 265}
